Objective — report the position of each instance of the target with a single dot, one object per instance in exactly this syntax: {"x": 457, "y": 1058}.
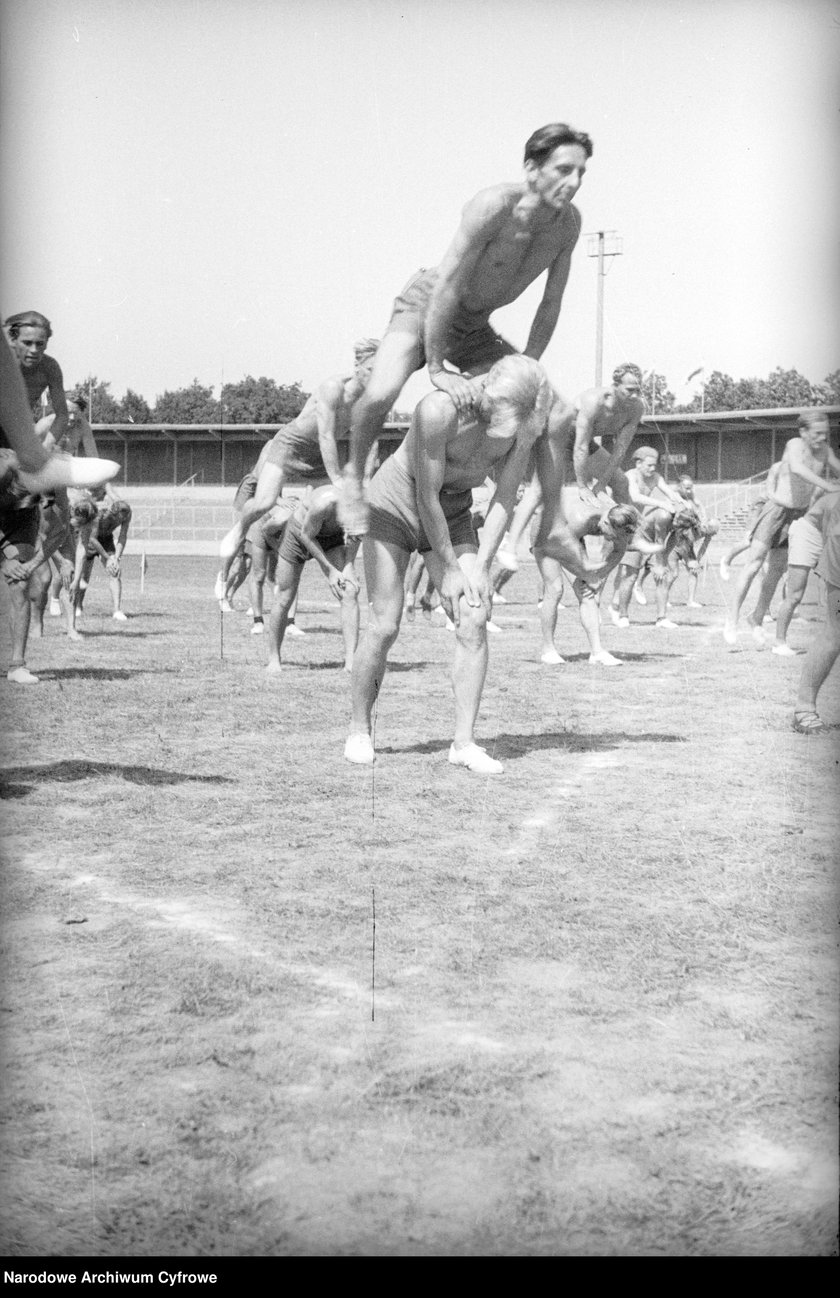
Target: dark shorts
{"x": 295, "y": 552}
{"x": 19, "y": 528}
{"x": 771, "y": 526}
{"x": 392, "y": 497}
{"x": 471, "y": 344}
{"x": 297, "y": 454}
{"x": 107, "y": 543}
{"x": 244, "y": 492}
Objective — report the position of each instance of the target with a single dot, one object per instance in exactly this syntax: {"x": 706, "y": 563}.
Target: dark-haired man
{"x": 508, "y": 236}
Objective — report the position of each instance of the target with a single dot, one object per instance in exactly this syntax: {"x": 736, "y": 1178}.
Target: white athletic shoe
{"x": 667, "y": 624}
{"x": 692, "y": 603}
{"x": 617, "y": 619}
{"x": 493, "y": 628}
{"x": 758, "y": 636}
{"x": 21, "y": 676}
{"x": 79, "y": 614}
{"x": 724, "y": 570}
{"x": 249, "y": 612}
{"x": 785, "y": 651}
{"x": 730, "y": 634}
{"x": 475, "y": 759}
{"x": 55, "y": 608}
{"x": 507, "y": 559}
{"x": 499, "y": 599}
{"x": 294, "y": 630}
{"x": 258, "y": 628}
{"x": 119, "y": 616}
{"x": 226, "y": 606}
{"x": 639, "y": 595}
{"x": 605, "y": 659}
{"x": 551, "y": 658}
{"x": 359, "y": 749}
{"x": 450, "y": 625}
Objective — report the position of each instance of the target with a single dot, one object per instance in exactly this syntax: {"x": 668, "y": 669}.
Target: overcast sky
{"x": 213, "y": 188}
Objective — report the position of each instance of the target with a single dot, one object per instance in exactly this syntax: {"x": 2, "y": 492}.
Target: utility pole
{"x": 603, "y": 244}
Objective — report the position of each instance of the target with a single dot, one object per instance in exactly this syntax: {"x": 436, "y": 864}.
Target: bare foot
{"x": 273, "y": 667}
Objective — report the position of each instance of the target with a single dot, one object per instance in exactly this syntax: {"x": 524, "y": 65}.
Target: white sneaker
{"x": 758, "y": 636}
{"x": 225, "y": 605}
{"x": 493, "y": 628}
{"x": 692, "y": 603}
{"x": 507, "y": 559}
{"x": 475, "y": 759}
{"x": 605, "y": 659}
{"x": 21, "y": 676}
{"x": 359, "y": 749}
{"x": 79, "y": 614}
{"x": 730, "y": 634}
{"x": 617, "y": 619}
{"x": 551, "y": 658}
{"x": 258, "y": 628}
{"x": 724, "y": 570}
{"x": 55, "y": 608}
{"x": 450, "y": 625}
{"x": 667, "y": 624}
{"x": 785, "y": 651}
{"x": 499, "y": 599}
{"x": 294, "y": 630}
{"x": 119, "y": 616}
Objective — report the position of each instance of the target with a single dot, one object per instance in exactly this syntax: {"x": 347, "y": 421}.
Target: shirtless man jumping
{"x": 508, "y": 236}
{"x": 420, "y": 499}
{"x": 801, "y": 478}
{"x": 305, "y": 450}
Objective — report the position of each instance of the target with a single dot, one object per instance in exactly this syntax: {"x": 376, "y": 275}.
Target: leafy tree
{"x": 788, "y": 388}
{"x": 827, "y": 393}
{"x": 193, "y": 405}
{"x": 262, "y": 401}
{"x": 134, "y": 409}
{"x": 657, "y": 395}
{"x": 103, "y": 408}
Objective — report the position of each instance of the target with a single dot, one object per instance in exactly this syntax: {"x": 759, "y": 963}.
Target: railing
{"x": 155, "y": 519}
{"x": 735, "y": 496}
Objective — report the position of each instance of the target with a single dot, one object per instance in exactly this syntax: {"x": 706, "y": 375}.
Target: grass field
{"x": 258, "y": 1002}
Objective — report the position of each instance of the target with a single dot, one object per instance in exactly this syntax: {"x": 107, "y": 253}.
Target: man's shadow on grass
{"x": 69, "y": 771}
{"x": 121, "y": 635}
{"x": 510, "y": 746}
{"x": 333, "y": 666}
{"x": 59, "y": 674}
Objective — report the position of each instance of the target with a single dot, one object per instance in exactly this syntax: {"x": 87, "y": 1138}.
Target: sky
{"x": 205, "y": 189}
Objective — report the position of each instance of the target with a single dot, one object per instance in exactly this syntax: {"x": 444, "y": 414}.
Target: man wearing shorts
{"x": 824, "y": 514}
{"x": 805, "y": 545}
{"x": 421, "y": 500}
{"x": 305, "y": 450}
{"x": 106, "y": 542}
{"x": 508, "y": 236}
{"x": 657, "y": 513}
{"x": 804, "y": 464}
{"x": 314, "y": 532}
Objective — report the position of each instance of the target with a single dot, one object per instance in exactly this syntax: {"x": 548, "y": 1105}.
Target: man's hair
{"x": 622, "y": 518}
{"x": 642, "y": 452}
{"x": 364, "y": 351}
{"x": 76, "y": 399}
{"x": 544, "y": 141}
{"x": 810, "y": 418}
{"x": 627, "y": 368}
{"x": 84, "y": 511}
{"x": 686, "y": 518}
{"x": 120, "y": 509}
{"x": 521, "y": 383}
{"x": 27, "y": 319}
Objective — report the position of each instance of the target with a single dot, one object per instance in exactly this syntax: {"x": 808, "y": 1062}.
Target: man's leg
{"x": 507, "y": 554}
{"x": 732, "y": 553}
{"x": 287, "y": 580}
{"x": 469, "y": 670}
{"x": 590, "y": 620}
{"x": 756, "y": 555}
{"x": 256, "y": 583}
{"x": 385, "y": 566}
{"x": 552, "y": 576}
{"x": 664, "y": 576}
{"x": 38, "y": 588}
{"x": 19, "y": 615}
{"x": 797, "y": 584}
{"x": 625, "y": 582}
{"x": 821, "y": 657}
{"x": 269, "y": 487}
{"x": 397, "y": 358}
{"x": 772, "y": 573}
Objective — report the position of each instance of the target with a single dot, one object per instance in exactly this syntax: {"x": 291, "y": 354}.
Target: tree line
{"x": 263, "y": 401}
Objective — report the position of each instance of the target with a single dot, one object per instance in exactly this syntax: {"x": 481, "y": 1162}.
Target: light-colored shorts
{"x": 805, "y": 544}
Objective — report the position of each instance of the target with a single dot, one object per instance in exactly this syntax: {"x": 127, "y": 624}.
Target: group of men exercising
{"x": 492, "y": 413}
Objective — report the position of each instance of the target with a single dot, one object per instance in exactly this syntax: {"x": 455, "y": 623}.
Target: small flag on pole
{"x": 143, "y": 566}
{"x": 694, "y": 373}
